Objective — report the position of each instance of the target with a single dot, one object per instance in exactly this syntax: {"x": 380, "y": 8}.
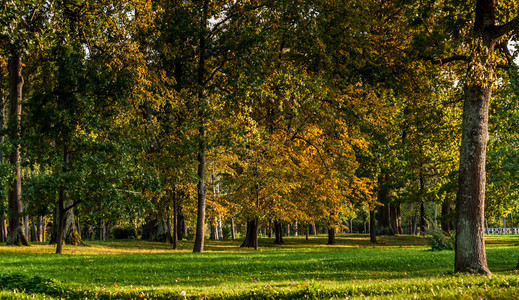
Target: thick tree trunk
{"x": 270, "y": 229}
{"x": 148, "y": 229}
{"x": 278, "y": 231}
{"x": 372, "y": 228}
{"x": 470, "y": 243}
{"x": 163, "y": 232}
{"x": 15, "y": 235}
{"x": 251, "y": 237}
{"x": 70, "y": 232}
{"x": 331, "y": 235}
{"x": 384, "y": 215}
{"x": 307, "y": 231}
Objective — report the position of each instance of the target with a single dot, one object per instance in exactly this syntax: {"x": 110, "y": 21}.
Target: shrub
{"x": 127, "y": 232}
{"x": 440, "y": 241}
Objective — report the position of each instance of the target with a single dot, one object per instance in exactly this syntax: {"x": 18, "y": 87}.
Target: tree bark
{"x": 384, "y": 212}
{"x": 61, "y": 221}
{"x": 470, "y": 243}
{"x": 15, "y": 235}
{"x": 3, "y": 222}
{"x": 3, "y": 228}
{"x": 251, "y": 237}
{"x": 278, "y": 231}
{"x": 372, "y": 228}
{"x": 200, "y": 220}
{"x": 233, "y": 234}
{"x": 175, "y": 221}
{"x": 34, "y": 234}
{"x": 446, "y": 217}
{"x": 423, "y": 221}
{"x": 181, "y": 224}
{"x": 148, "y": 229}
{"x": 396, "y": 218}
{"x": 331, "y": 235}
{"x": 70, "y": 232}
{"x": 313, "y": 230}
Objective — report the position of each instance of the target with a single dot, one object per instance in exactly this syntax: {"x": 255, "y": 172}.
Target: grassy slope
{"x": 399, "y": 266}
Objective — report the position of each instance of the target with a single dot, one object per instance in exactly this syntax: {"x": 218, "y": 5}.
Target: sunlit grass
{"x": 398, "y": 266}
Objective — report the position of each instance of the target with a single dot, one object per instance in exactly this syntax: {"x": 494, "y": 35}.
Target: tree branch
{"x": 499, "y": 31}
{"x": 443, "y": 61}
{"x": 71, "y": 205}
{"x": 316, "y": 148}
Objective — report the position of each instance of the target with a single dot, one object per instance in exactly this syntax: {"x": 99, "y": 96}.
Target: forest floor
{"x": 398, "y": 267}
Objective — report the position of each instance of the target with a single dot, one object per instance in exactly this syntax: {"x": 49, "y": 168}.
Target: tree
{"x": 470, "y": 244}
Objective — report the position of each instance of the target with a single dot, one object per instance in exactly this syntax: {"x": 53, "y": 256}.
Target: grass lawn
{"x": 398, "y": 267}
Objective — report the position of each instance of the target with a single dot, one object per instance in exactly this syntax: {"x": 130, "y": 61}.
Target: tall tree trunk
{"x": 331, "y": 235}
{"x": 270, "y": 229}
{"x": 15, "y": 235}
{"x": 470, "y": 253}
{"x": 200, "y": 220}
{"x": 40, "y": 231}
{"x": 61, "y": 221}
{"x": 307, "y": 231}
{"x": 278, "y": 231}
{"x": 446, "y": 216}
{"x": 181, "y": 223}
{"x": 175, "y": 221}
{"x": 313, "y": 230}
{"x": 34, "y": 234}
{"x": 414, "y": 226}
{"x": 396, "y": 218}
{"x": 470, "y": 243}
{"x": 3, "y": 228}
{"x": 213, "y": 235}
{"x": 233, "y": 234}
{"x": 423, "y": 221}
{"x": 372, "y": 228}
{"x": 3, "y": 222}
{"x": 251, "y": 237}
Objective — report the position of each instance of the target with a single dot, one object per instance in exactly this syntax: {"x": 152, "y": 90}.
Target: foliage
{"x": 440, "y": 241}
{"x": 127, "y": 232}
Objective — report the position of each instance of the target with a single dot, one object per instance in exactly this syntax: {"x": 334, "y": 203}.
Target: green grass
{"x": 399, "y": 267}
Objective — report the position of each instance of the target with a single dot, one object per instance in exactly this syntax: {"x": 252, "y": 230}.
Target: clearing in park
{"x": 398, "y": 267}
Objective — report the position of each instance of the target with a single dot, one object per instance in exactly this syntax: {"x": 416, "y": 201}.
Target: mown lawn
{"x": 398, "y": 267}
